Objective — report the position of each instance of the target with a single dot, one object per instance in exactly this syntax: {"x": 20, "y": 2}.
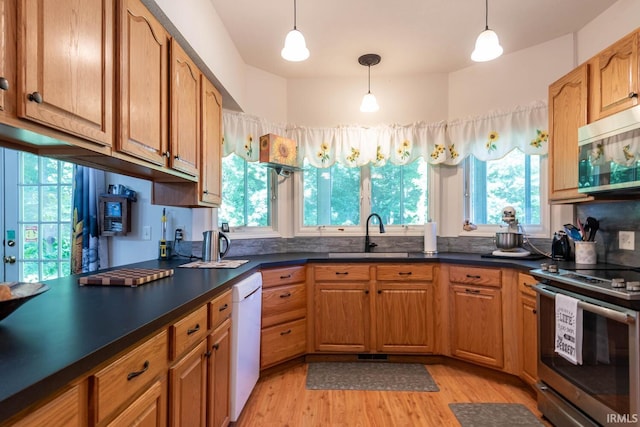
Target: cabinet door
{"x": 66, "y": 62}
{"x": 476, "y": 324}
{"x": 567, "y": 112}
{"x": 211, "y": 165}
{"x": 144, "y": 48}
{"x": 404, "y": 318}
{"x": 185, "y": 112}
{"x": 147, "y": 410}
{"x": 342, "y": 316}
{"x": 7, "y": 41}
{"x": 282, "y": 342}
{"x": 219, "y": 376}
{"x": 615, "y": 78}
{"x": 188, "y": 387}
{"x": 527, "y": 328}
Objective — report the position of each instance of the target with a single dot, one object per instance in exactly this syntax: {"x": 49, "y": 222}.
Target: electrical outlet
{"x": 179, "y": 233}
{"x": 146, "y": 232}
{"x": 627, "y": 240}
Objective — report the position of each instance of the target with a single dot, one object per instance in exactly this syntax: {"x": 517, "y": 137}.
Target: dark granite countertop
{"x": 62, "y": 334}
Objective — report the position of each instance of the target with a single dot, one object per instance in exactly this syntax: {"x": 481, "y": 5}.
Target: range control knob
{"x": 633, "y": 286}
{"x": 618, "y": 282}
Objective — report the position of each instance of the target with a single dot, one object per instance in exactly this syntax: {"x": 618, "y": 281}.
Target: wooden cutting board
{"x": 125, "y": 277}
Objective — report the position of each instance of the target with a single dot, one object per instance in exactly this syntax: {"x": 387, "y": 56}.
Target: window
{"x": 514, "y": 180}
{"x": 246, "y": 193}
{"x": 45, "y": 197}
{"x": 399, "y": 193}
{"x": 344, "y": 196}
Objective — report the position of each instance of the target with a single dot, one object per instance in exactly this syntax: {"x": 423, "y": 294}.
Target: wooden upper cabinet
{"x": 185, "y": 112}
{"x": 567, "y": 112}
{"x": 65, "y": 59}
{"x": 615, "y": 82}
{"x": 211, "y": 166}
{"x": 144, "y": 53}
{"x": 7, "y": 38}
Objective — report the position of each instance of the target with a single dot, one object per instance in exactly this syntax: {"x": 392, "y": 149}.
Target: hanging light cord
{"x": 295, "y": 13}
{"x": 369, "y": 87}
{"x": 486, "y": 14}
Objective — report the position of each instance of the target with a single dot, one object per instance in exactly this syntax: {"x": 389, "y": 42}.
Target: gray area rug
{"x": 369, "y": 376}
{"x": 494, "y": 415}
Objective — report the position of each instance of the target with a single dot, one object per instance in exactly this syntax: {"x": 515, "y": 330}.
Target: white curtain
{"x": 487, "y": 137}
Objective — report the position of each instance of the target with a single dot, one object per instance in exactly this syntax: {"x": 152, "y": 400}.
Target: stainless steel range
{"x": 604, "y": 388}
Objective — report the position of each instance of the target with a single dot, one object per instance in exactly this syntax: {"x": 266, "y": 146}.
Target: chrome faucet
{"x": 367, "y": 244}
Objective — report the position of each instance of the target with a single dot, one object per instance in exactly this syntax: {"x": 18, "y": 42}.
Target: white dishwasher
{"x": 245, "y": 340}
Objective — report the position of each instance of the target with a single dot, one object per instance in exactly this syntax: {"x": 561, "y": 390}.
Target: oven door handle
{"x": 609, "y": 313}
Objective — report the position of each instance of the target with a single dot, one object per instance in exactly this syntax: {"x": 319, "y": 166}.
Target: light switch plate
{"x": 627, "y": 240}
{"x": 146, "y": 232}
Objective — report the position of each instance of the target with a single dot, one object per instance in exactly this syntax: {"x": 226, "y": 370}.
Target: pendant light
{"x": 369, "y": 103}
{"x": 295, "y": 48}
{"x": 487, "y": 44}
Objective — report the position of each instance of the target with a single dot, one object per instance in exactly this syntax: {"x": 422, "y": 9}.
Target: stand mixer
{"x": 509, "y": 243}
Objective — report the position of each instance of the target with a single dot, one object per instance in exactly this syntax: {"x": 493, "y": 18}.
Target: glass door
{"x": 35, "y": 216}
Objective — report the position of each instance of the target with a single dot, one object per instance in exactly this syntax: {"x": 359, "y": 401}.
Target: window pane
{"x": 513, "y": 180}
{"x": 30, "y": 272}
{"x": 50, "y": 241}
{"x": 49, "y": 171}
{"x": 30, "y": 237}
{"x": 399, "y": 193}
{"x": 49, "y": 202}
{"x": 331, "y": 195}
{"x": 29, "y": 170}
{"x": 29, "y": 203}
{"x": 246, "y": 198}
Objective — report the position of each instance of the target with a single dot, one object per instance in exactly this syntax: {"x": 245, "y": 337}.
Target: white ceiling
{"x": 412, "y": 36}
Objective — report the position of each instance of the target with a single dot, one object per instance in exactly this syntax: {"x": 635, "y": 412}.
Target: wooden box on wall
{"x": 115, "y": 215}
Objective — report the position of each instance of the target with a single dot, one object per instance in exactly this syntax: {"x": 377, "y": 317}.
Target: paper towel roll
{"x": 430, "y": 238}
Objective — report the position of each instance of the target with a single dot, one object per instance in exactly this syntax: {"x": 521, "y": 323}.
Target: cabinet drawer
{"x": 476, "y": 276}
{"x": 283, "y": 276}
{"x": 219, "y": 309}
{"x": 283, "y": 303}
{"x": 525, "y": 284}
{"x": 283, "y": 342}
{"x": 341, "y": 272}
{"x": 404, "y": 272}
{"x": 188, "y": 331}
{"x": 121, "y": 380}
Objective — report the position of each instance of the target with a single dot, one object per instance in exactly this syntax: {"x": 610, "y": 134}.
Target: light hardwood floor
{"x": 281, "y": 399}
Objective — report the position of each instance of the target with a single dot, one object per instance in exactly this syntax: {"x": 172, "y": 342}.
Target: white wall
{"x": 335, "y": 101}
{"x": 131, "y": 248}
{"x": 614, "y": 23}
{"x": 266, "y": 95}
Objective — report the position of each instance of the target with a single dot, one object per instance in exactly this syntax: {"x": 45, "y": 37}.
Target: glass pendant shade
{"x": 487, "y": 47}
{"x": 295, "y": 48}
{"x": 369, "y": 103}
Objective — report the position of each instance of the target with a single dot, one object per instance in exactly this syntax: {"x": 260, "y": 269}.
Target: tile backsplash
{"x": 614, "y": 217}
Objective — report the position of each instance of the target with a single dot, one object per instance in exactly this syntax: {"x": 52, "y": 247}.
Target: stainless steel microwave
{"x": 609, "y": 153}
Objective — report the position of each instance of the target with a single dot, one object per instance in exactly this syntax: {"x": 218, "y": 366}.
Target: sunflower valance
{"x": 487, "y": 138}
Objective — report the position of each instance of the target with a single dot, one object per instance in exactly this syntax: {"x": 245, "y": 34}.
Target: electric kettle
{"x": 211, "y": 246}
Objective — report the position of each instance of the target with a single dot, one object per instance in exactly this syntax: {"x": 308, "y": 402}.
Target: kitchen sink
{"x": 368, "y": 254}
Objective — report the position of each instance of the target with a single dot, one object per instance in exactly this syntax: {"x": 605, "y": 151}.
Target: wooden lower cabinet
{"x": 148, "y": 410}
{"x": 65, "y": 410}
{"x": 374, "y": 308}
{"x": 284, "y": 313}
{"x": 527, "y": 329}
{"x": 404, "y": 322}
{"x": 115, "y": 388}
{"x": 188, "y": 384}
{"x": 219, "y": 375}
{"x": 283, "y": 342}
{"x": 476, "y": 324}
{"x": 342, "y": 317}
